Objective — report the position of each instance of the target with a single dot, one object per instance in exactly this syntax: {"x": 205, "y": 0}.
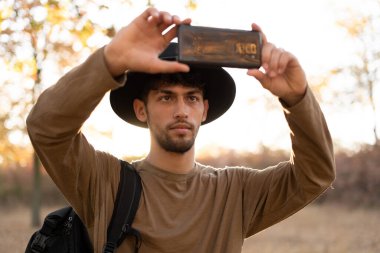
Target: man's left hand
{"x": 283, "y": 76}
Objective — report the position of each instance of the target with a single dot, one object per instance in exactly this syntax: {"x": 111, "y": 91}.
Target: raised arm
{"x": 277, "y": 192}
{"x": 54, "y": 124}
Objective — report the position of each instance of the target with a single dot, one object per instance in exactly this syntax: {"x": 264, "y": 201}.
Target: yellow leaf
{"x": 56, "y": 13}
{"x": 192, "y": 5}
{"x": 86, "y": 32}
{"x": 5, "y": 13}
{"x": 18, "y": 66}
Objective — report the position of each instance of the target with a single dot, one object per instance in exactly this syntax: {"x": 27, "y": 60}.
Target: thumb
{"x": 164, "y": 66}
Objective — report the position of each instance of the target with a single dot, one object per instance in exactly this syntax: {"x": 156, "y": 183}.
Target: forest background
{"x": 41, "y": 40}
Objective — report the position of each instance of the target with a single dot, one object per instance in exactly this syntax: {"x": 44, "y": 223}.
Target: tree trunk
{"x": 374, "y": 111}
{"x": 36, "y": 198}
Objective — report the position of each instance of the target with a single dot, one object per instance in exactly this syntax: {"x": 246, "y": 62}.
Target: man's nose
{"x": 181, "y": 109}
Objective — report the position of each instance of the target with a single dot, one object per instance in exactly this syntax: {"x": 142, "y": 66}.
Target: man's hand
{"x": 137, "y": 46}
{"x": 283, "y": 76}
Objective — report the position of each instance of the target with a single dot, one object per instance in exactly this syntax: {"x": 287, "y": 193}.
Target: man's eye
{"x": 165, "y": 98}
{"x": 194, "y": 98}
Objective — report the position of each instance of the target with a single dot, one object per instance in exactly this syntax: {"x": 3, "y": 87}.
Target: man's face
{"x": 173, "y": 114}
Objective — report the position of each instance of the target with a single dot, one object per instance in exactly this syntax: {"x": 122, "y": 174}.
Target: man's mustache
{"x": 181, "y": 124}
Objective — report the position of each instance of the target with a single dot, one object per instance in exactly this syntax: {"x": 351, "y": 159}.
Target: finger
{"x": 158, "y": 18}
{"x": 172, "y": 33}
{"x": 259, "y": 75}
{"x": 256, "y": 27}
{"x": 283, "y": 61}
{"x": 149, "y": 13}
{"x": 274, "y": 61}
{"x": 166, "y": 17}
{"x": 266, "y": 54}
{"x": 163, "y": 66}
{"x": 176, "y": 20}
{"x": 165, "y": 20}
{"x": 186, "y": 21}
{"x": 163, "y": 26}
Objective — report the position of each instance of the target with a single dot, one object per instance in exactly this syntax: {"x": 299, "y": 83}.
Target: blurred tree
{"x": 33, "y": 35}
{"x": 363, "y": 27}
{"x": 191, "y": 4}
{"x": 36, "y": 39}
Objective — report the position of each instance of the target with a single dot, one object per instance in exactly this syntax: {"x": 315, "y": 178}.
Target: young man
{"x": 185, "y": 206}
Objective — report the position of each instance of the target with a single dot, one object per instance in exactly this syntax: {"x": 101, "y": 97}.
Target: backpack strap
{"x": 126, "y": 204}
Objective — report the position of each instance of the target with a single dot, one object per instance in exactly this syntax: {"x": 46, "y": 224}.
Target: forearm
{"x": 312, "y": 148}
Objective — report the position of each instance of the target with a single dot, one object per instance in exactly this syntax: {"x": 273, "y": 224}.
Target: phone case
{"x": 208, "y": 46}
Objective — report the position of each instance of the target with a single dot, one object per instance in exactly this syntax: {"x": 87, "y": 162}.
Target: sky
{"x": 305, "y": 28}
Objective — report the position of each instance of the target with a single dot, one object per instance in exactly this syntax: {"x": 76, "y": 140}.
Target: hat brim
{"x": 219, "y": 87}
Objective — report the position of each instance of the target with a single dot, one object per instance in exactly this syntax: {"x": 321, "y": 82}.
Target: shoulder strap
{"x": 126, "y": 204}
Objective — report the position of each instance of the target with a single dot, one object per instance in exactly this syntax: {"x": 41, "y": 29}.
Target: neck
{"x": 179, "y": 163}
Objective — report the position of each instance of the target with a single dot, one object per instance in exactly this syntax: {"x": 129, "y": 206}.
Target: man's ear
{"x": 205, "y": 105}
{"x": 140, "y": 111}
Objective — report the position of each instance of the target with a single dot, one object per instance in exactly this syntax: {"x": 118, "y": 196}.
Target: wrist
{"x": 293, "y": 99}
{"x": 112, "y": 61}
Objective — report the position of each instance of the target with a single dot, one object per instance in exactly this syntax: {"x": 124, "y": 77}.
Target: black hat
{"x": 219, "y": 89}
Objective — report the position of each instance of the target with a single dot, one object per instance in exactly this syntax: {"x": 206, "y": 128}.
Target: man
{"x": 185, "y": 206}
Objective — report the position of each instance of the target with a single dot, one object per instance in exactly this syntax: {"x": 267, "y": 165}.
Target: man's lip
{"x": 180, "y": 126}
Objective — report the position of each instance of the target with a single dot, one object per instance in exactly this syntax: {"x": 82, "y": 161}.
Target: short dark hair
{"x": 189, "y": 79}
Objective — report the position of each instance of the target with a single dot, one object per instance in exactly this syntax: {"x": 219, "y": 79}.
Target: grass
{"x": 315, "y": 229}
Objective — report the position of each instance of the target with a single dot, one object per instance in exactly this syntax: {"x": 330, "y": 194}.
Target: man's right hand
{"x": 137, "y": 46}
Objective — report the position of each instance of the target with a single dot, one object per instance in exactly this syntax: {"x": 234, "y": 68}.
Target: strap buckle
{"x": 39, "y": 243}
{"x": 109, "y": 247}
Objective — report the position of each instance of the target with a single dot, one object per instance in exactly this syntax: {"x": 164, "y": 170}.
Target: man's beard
{"x": 180, "y": 146}
{"x": 177, "y": 144}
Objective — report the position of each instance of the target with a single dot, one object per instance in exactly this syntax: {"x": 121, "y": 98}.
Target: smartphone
{"x": 209, "y": 46}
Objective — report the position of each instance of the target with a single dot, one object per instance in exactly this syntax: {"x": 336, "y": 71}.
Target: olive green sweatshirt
{"x": 207, "y": 210}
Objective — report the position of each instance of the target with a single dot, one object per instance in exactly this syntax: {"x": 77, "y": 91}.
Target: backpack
{"x": 64, "y": 232}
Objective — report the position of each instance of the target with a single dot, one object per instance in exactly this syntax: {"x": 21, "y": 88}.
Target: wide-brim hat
{"x": 219, "y": 88}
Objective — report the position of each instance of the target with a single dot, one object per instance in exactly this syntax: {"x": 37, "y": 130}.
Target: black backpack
{"x": 64, "y": 232}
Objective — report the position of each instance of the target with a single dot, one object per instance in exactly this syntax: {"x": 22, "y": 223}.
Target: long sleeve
{"x": 273, "y": 194}
{"x": 54, "y": 128}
